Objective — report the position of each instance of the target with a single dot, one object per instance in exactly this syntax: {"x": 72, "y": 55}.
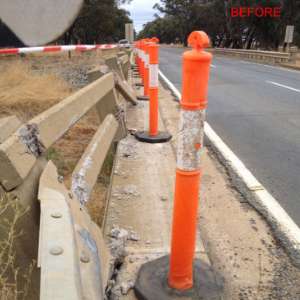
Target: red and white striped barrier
{"x": 56, "y": 48}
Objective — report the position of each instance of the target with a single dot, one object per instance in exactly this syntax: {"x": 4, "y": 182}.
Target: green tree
{"x": 185, "y": 12}
{"x": 100, "y": 21}
{"x": 180, "y": 17}
{"x": 167, "y": 29}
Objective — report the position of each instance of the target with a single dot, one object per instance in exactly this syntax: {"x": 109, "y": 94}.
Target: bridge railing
{"x": 74, "y": 260}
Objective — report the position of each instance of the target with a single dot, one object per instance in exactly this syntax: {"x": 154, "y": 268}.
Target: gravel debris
{"x": 126, "y": 286}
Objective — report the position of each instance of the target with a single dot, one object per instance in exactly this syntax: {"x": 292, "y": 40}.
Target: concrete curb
{"x": 283, "y": 226}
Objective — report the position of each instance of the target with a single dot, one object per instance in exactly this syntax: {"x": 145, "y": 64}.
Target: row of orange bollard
{"x": 180, "y": 274}
{"x": 147, "y": 57}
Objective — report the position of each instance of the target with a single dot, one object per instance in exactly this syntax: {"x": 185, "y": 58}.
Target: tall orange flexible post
{"x": 196, "y": 65}
{"x": 146, "y": 69}
{"x": 136, "y": 52}
{"x": 179, "y": 267}
{"x": 142, "y": 60}
{"x": 138, "y": 56}
{"x": 151, "y": 89}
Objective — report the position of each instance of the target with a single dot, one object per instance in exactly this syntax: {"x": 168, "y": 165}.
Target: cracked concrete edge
{"x": 86, "y": 172}
{"x": 18, "y": 153}
{"x": 284, "y": 228}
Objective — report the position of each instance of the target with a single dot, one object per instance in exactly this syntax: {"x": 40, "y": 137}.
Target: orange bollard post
{"x": 145, "y": 75}
{"x": 136, "y": 56}
{"x": 153, "y": 135}
{"x": 196, "y": 65}
{"x": 146, "y": 71}
{"x": 153, "y": 89}
{"x": 144, "y": 58}
{"x": 180, "y": 275}
{"x": 139, "y": 62}
{"x": 139, "y": 56}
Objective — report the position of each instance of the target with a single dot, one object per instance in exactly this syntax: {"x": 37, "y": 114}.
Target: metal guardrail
{"x": 267, "y": 56}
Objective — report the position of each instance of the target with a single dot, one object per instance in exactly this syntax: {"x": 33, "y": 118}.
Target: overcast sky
{"x": 141, "y": 12}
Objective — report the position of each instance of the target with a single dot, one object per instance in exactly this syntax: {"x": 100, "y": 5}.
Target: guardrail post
{"x": 171, "y": 277}
{"x": 153, "y": 135}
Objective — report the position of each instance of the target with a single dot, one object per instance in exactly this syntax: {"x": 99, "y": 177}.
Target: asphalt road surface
{"x": 255, "y": 109}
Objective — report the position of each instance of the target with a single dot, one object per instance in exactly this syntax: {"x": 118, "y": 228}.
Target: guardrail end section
{"x": 72, "y": 256}
{"x": 57, "y": 255}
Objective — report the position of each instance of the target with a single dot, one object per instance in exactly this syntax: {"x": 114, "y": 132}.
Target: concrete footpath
{"x": 245, "y": 258}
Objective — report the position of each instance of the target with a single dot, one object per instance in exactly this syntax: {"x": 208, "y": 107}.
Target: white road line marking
{"x": 267, "y": 66}
{"x": 285, "y": 229}
{"x": 169, "y": 83}
{"x": 284, "y": 86}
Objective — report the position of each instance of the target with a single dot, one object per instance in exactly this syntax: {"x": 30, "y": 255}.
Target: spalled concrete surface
{"x": 89, "y": 166}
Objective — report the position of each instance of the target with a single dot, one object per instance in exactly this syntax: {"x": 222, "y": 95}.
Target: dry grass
{"x": 10, "y": 287}
{"x": 66, "y": 153}
{"x": 26, "y": 94}
{"x": 27, "y": 90}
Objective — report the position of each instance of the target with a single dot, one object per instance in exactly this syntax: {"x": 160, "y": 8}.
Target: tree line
{"x": 99, "y": 21}
{"x": 177, "y": 18}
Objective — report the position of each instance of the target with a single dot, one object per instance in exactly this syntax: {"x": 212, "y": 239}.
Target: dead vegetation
{"x": 27, "y": 90}
{"x": 11, "y": 287}
{"x": 26, "y": 94}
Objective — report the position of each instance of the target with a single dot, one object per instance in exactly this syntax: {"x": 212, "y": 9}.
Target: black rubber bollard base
{"x": 161, "y": 137}
{"x": 151, "y": 282}
{"x": 142, "y": 98}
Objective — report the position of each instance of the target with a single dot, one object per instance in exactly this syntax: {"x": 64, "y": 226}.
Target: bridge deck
{"x": 141, "y": 196}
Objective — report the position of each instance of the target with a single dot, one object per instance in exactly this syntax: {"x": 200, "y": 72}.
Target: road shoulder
{"x": 239, "y": 242}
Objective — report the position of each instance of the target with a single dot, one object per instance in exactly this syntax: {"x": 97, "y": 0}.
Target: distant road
{"x": 255, "y": 109}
